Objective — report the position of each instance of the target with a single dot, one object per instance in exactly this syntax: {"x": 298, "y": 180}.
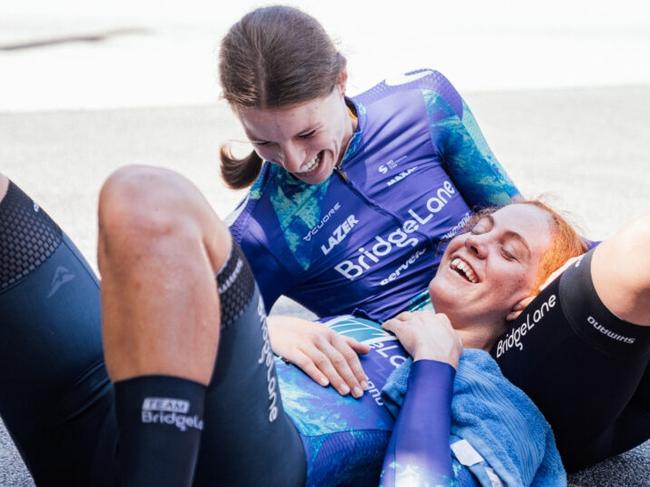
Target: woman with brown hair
{"x": 351, "y": 198}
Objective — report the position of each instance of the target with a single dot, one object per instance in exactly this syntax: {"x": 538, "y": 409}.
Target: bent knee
{"x": 621, "y": 272}
{"x": 631, "y": 242}
{"x": 147, "y": 202}
{"x": 144, "y": 205}
{"x": 4, "y": 185}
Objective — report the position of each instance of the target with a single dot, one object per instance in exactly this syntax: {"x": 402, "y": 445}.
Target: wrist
{"x": 448, "y": 358}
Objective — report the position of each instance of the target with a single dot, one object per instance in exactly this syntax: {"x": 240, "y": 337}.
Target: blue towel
{"x": 498, "y": 420}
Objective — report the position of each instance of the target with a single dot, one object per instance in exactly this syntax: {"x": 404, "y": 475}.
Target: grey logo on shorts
{"x": 170, "y": 411}
{"x": 61, "y": 276}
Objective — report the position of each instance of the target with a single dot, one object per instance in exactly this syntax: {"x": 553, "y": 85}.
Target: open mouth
{"x": 463, "y": 269}
{"x": 311, "y": 166}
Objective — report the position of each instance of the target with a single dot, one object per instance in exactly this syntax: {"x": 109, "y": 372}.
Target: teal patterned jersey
{"x": 346, "y": 439}
{"x": 369, "y": 238}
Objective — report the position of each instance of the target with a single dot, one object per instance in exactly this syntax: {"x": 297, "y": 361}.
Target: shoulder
{"x": 425, "y": 80}
{"x": 249, "y": 208}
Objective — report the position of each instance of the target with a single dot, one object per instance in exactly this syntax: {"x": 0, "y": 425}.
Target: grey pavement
{"x": 587, "y": 149}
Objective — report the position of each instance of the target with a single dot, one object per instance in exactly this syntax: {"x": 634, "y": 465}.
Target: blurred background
{"x": 80, "y": 54}
{"x": 87, "y": 86}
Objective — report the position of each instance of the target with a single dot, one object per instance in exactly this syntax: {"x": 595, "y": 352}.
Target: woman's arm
{"x": 465, "y": 153}
{"x": 620, "y": 270}
{"x": 419, "y": 445}
{"x": 418, "y": 452}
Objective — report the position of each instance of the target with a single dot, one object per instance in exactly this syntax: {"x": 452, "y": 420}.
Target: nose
{"x": 476, "y": 245}
{"x": 293, "y": 157}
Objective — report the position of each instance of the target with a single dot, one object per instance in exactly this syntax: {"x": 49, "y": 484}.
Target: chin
{"x": 442, "y": 299}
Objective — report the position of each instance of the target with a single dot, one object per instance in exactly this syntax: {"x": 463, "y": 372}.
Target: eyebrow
{"x": 511, "y": 234}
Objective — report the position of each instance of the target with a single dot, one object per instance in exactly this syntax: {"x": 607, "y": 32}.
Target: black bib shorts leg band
{"x": 582, "y": 366}
{"x": 248, "y": 439}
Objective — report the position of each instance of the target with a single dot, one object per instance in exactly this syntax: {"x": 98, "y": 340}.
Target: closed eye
{"x": 307, "y": 134}
{"x": 508, "y": 255}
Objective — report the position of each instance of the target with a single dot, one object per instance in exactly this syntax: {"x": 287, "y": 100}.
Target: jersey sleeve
{"x": 467, "y": 158}
{"x": 272, "y": 278}
{"x": 418, "y": 452}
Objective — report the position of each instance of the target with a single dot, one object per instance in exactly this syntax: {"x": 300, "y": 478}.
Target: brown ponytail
{"x": 239, "y": 173}
{"x": 273, "y": 57}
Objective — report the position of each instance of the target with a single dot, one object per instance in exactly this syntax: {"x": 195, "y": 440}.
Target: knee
{"x": 634, "y": 239}
{"x": 143, "y": 204}
{"x": 4, "y": 185}
{"x": 626, "y": 255}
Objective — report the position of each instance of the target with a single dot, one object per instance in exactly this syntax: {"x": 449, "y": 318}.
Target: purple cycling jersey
{"x": 370, "y": 237}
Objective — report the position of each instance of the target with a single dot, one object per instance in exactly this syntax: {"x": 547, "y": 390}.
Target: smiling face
{"x": 485, "y": 272}
{"x": 307, "y": 139}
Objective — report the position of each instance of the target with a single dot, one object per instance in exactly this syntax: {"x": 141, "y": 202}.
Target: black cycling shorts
{"x": 56, "y": 398}
{"x": 585, "y": 368}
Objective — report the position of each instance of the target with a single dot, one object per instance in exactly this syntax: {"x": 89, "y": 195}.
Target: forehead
{"x": 529, "y": 221}
{"x": 280, "y": 122}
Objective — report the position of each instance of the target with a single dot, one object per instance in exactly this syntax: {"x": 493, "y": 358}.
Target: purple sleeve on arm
{"x": 418, "y": 452}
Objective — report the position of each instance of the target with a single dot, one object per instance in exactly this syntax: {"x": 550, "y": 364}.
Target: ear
{"x": 342, "y": 81}
{"x": 519, "y": 307}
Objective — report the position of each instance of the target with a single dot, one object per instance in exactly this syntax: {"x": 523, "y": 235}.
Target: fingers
{"x": 330, "y": 362}
{"x": 392, "y": 325}
{"x": 344, "y": 366}
{"x": 307, "y": 365}
{"x": 340, "y": 367}
{"x": 350, "y": 353}
{"x": 358, "y": 347}
{"x": 519, "y": 307}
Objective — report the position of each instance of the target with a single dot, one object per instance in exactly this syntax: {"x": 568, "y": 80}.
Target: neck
{"x": 349, "y": 115}
{"x": 480, "y": 336}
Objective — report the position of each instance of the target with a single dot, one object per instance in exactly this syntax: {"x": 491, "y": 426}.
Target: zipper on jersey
{"x": 429, "y": 243}
{"x": 342, "y": 173}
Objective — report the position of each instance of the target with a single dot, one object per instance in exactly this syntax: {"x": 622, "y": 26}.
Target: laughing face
{"x": 307, "y": 139}
{"x": 487, "y": 271}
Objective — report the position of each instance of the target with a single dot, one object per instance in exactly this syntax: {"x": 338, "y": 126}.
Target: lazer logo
{"x": 170, "y": 411}
{"x": 402, "y": 175}
{"x": 398, "y": 238}
{"x": 390, "y": 165}
{"x": 339, "y": 234}
{"x": 314, "y": 230}
{"x": 61, "y": 276}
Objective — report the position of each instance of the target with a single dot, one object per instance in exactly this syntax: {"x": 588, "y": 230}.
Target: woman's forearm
{"x": 418, "y": 452}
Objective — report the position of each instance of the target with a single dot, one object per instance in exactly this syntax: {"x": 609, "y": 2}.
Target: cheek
{"x": 266, "y": 153}
{"x": 324, "y": 140}
{"x": 516, "y": 283}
